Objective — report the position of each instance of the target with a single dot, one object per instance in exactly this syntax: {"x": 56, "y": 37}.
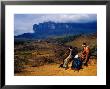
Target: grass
{"x": 91, "y": 42}
{"x": 35, "y": 53}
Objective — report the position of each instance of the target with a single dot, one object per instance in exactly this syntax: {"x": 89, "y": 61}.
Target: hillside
{"x": 53, "y": 70}
{"x": 91, "y": 41}
{"x": 38, "y": 55}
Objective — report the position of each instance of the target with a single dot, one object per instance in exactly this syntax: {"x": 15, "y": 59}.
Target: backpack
{"x": 76, "y": 64}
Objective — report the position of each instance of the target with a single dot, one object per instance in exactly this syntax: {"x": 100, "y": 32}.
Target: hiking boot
{"x": 66, "y": 68}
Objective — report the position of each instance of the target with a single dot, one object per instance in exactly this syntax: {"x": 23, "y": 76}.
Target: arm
{"x": 83, "y": 52}
{"x": 67, "y": 52}
{"x": 87, "y": 53}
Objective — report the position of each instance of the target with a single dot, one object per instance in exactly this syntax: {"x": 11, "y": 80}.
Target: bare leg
{"x": 86, "y": 61}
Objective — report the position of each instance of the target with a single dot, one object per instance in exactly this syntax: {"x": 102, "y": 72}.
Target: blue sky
{"x": 23, "y": 22}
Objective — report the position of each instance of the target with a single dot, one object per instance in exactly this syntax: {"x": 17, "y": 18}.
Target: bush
{"x": 63, "y": 40}
{"x": 94, "y": 50}
{"x": 19, "y": 64}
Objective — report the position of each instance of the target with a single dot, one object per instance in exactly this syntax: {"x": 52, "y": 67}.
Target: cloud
{"x": 23, "y": 22}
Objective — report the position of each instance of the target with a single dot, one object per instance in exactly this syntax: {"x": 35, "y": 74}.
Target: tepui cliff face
{"x": 47, "y": 29}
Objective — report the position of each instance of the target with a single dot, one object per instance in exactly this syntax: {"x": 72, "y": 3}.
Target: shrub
{"x": 19, "y": 64}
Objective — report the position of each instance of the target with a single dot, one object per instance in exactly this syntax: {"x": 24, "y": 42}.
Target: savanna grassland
{"x": 43, "y": 57}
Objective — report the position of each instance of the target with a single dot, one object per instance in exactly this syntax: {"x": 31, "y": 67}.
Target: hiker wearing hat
{"x": 85, "y": 54}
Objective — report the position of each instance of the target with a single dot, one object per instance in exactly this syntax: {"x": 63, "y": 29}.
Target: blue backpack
{"x": 76, "y": 64}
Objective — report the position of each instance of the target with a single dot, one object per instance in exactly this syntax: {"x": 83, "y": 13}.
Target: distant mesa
{"x": 47, "y": 29}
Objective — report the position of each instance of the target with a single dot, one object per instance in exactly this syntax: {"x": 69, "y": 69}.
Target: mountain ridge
{"x": 47, "y": 29}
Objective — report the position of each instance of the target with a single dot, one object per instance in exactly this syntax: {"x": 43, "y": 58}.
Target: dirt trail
{"x": 53, "y": 70}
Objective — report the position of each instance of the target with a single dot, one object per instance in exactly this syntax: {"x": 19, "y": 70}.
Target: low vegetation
{"x": 35, "y": 53}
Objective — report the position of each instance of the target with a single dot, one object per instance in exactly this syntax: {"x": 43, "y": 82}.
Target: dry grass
{"x": 90, "y": 40}
{"x": 43, "y": 58}
{"x": 53, "y": 70}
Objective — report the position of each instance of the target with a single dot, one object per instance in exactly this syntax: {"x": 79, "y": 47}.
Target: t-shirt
{"x": 76, "y": 56}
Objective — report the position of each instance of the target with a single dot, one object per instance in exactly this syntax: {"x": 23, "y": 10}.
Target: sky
{"x": 23, "y": 23}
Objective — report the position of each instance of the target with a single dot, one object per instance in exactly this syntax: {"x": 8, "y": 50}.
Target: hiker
{"x": 85, "y": 54}
{"x": 71, "y": 55}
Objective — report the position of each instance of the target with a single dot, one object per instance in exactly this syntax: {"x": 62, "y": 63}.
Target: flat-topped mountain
{"x": 50, "y": 29}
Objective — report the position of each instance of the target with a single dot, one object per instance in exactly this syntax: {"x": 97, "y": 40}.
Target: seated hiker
{"x": 85, "y": 54}
{"x": 71, "y": 55}
{"x": 76, "y": 63}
